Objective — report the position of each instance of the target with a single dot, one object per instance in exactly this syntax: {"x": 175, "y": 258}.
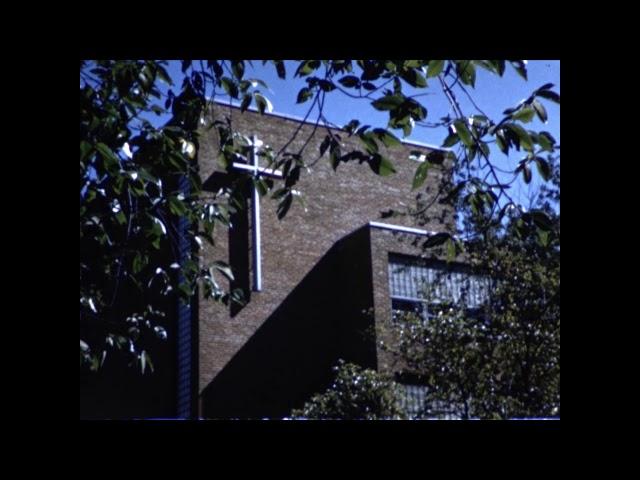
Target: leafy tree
{"x": 500, "y": 361}
{"x": 503, "y": 362}
{"x": 141, "y": 203}
{"x": 136, "y": 183}
{"x": 355, "y": 394}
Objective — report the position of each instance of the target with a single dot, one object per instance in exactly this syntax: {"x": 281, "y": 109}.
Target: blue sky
{"x": 491, "y": 93}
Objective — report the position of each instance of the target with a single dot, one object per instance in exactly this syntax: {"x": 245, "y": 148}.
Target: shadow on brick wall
{"x": 239, "y": 239}
{"x": 290, "y": 356}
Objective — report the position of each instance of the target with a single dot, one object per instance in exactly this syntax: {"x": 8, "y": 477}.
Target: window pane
{"x": 413, "y": 279}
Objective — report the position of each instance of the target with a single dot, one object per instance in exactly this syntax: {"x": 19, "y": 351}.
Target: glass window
{"x": 425, "y": 287}
{"x": 414, "y": 281}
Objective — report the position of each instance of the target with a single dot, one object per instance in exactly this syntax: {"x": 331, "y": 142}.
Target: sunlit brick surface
{"x": 338, "y": 203}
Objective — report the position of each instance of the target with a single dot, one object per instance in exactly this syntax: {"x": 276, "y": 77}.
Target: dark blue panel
{"x": 184, "y": 333}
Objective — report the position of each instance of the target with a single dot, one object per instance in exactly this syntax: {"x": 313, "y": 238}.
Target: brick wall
{"x": 338, "y": 203}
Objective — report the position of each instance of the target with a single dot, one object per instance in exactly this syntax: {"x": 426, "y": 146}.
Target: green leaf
{"x": 185, "y": 291}
{"x": 420, "y": 175}
{"x": 351, "y": 127}
{"x": 370, "y": 144}
{"x": 412, "y": 63}
{"x": 281, "y": 192}
{"x": 176, "y": 206}
{"x": 546, "y": 86}
{"x": 280, "y": 69}
{"x": 217, "y": 69}
{"x": 502, "y": 143}
{"x": 523, "y": 136}
{"x": 520, "y": 67}
{"x": 104, "y": 356}
{"x": 326, "y": 85}
{"x": 451, "y": 140}
{"x": 304, "y": 94}
{"x": 487, "y": 65}
{"x": 381, "y": 165}
{"x": 246, "y": 101}
{"x": 420, "y": 81}
{"x": 111, "y": 161}
{"x": 334, "y": 159}
{"x": 371, "y": 69}
{"x": 121, "y": 218}
{"x": 95, "y": 363}
{"x": 306, "y": 67}
{"x": 544, "y": 169}
{"x": 543, "y": 238}
{"x": 546, "y": 141}
{"x": 467, "y": 72}
{"x": 477, "y": 201}
{"x": 435, "y": 68}
{"x": 260, "y": 184}
{"x": 549, "y": 95}
{"x": 85, "y": 149}
{"x": 386, "y": 167}
{"x": 499, "y": 64}
{"x": 524, "y": 114}
{"x": 417, "y": 111}
{"x": 292, "y": 176}
{"x": 223, "y": 268}
{"x": 163, "y": 75}
{"x": 437, "y": 239}
{"x": 139, "y": 262}
{"x": 397, "y": 86}
{"x": 540, "y": 110}
{"x": 237, "y": 67}
{"x": 387, "y": 138}
{"x": 414, "y": 78}
{"x": 349, "y": 81}
{"x": 262, "y": 103}
{"x": 229, "y": 86}
{"x": 541, "y": 219}
{"x": 388, "y": 102}
{"x": 325, "y": 144}
{"x": 484, "y": 148}
{"x": 284, "y": 205}
{"x": 145, "y": 359}
{"x": 526, "y": 173}
{"x": 463, "y": 132}
{"x": 479, "y": 120}
{"x": 407, "y": 127}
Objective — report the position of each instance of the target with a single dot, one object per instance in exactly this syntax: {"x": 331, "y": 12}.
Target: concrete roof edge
{"x": 287, "y": 116}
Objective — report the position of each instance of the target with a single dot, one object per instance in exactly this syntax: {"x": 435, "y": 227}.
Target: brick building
{"x": 315, "y": 282}
{"x": 324, "y": 273}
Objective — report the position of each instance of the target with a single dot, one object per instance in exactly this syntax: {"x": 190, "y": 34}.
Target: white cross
{"x": 256, "y": 171}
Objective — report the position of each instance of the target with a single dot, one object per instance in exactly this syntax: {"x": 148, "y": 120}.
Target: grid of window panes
{"x": 413, "y": 400}
{"x": 414, "y": 280}
{"x": 421, "y": 287}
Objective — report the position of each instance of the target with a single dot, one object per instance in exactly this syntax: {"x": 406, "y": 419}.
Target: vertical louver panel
{"x": 184, "y": 333}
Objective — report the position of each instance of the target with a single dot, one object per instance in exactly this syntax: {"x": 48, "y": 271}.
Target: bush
{"x": 356, "y": 394}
